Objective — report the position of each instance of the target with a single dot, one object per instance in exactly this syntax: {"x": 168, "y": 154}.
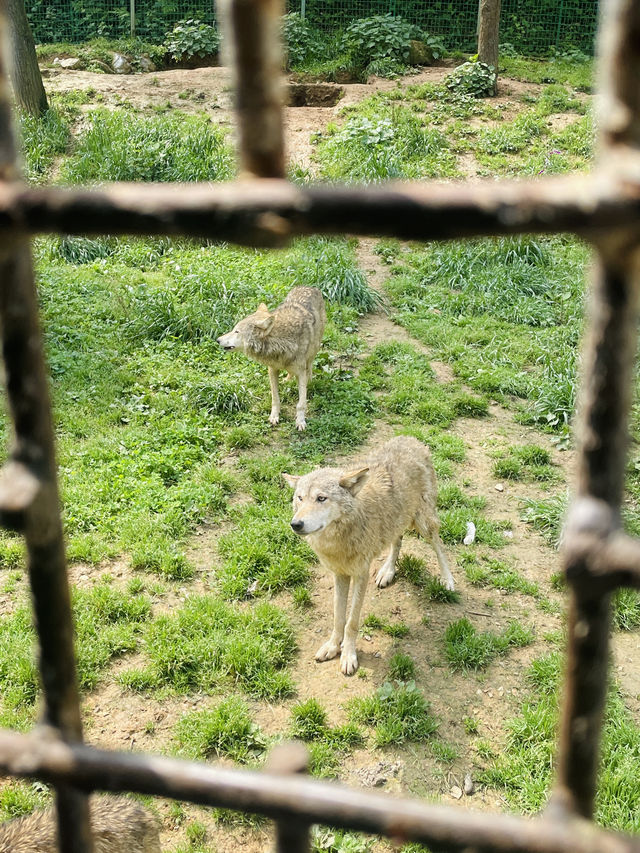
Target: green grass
{"x": 392, "y": 629}
{"x": 397, "y": 714}
{"x": 401, "y": 667}
{"x": 523, "y": 772}
{"x": 226, "y": 730}
{"x": 328, "y": 745}
{"x": 42, "y": 139}
{"x": 108, "y": 623}
{"x": 467, "y": 649}
{"x": 209, "y": 645}
{"x": 119, "y": 146}
{"x": 487, "y": 571}
{"x": 528, "y": 462}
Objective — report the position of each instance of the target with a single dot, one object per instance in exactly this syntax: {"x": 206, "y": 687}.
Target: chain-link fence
{"x": 533, "y": 27}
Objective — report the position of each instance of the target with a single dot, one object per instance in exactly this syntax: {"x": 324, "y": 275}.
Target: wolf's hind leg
{"x": 428, "y": 526}
{"x": 274, "y": 417}
{"x": 331, "y": 648}
{"x": 387, "y": 571}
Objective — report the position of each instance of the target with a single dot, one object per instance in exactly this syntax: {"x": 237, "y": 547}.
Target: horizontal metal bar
{"x": 300, "y": 799}
{"x": 269, "y": 212}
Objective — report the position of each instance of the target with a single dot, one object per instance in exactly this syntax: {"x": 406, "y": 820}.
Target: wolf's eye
{"x": 321, "y": 498}
{"x": 299, "y": 497}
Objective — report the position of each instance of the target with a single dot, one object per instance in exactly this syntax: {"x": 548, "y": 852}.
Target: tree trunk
{"x": 489, "y": 34}
{"x": 23, "y": 63}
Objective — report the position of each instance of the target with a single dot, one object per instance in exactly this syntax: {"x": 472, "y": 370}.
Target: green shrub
{"x": 299, "y": 40}
{"x": 379, "y": 37}
{"x": 398, "y": 714}
{"x": 472, "y": 78}
{"x": 226, "y": 730}
{"x": 192, "y": 38}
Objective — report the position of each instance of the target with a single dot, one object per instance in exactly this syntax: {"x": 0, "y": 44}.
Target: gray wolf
{"x": 350, "y": 516}
{"x": 119, "y": 825}
{"x": 287, "y": 338}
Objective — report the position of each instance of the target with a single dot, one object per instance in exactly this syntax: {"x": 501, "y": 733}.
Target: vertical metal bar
{"x": 253, "y": 37}
{"x": 289, "y": 758}
{"x": 27, "y": 391}
{"x": 303, "y": 9}
{"x": 608, "y": 369}
{"x": 132, "y": 17}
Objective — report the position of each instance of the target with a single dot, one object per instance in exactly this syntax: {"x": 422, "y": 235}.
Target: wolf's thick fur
{"x": 119, "y": 826}
{"x": 287, "y": 338}
{"x": 349, "y": 516}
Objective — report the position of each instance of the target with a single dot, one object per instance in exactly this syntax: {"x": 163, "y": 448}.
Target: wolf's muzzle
{"x": 297, "y": 526}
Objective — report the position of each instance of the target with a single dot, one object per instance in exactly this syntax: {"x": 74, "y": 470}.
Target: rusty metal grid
{"x": 262, "y": 209}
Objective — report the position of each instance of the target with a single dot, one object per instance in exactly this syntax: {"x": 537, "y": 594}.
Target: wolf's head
{"x": 248, "y": 332}
{"x": 323, "y": 497}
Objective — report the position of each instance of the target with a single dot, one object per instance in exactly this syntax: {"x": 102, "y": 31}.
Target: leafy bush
{"x": 386, "y": 67}
{"x": 299, "y": 41}
{"x": 472, "y": 78}
{"x": 379, "y": 37}
{"x": 192, "y": 38}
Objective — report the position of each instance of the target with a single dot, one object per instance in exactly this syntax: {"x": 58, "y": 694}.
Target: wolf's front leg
{"x": 387, "y": 571}
{"x": 349, "y": 657}
{"x": 301, "y": 408}
{"x": 331, "y": 648}
{"x": 274, "y": 417}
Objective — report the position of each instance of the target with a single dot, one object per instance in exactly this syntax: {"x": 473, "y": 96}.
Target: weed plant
{"x": 208, "y": 645}
{"x": 223, "y": 731}
{"x": 117, "y": 146}
{"x": 42, "y": 138}
{"x": 396, "y": 713}
{"x": 467, "y": 649}
{"x": 328, "y": 745}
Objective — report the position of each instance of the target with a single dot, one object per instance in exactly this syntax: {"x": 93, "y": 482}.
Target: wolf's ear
{"x": 290, "y": 480}
{"x": 264, "y": 324}
{"x": 353, "y": 481}
{"x": 262, "y": 309}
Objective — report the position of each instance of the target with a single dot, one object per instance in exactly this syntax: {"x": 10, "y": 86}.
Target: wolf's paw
{"x": 448, "y": 583}
{"x": 301, "y": 424}
{"x": 348, "y": 661}
{"x": 385, "y": 575}
{"x": 274, "y": 418}
{"x": 328, "y": 651}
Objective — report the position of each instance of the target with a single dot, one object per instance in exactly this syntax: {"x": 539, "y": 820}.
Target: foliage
{"x": 209, "y": 644}
{"x": 397, "y": 714}
{"x": 42, "y": 139}
{"x": 120, "y": 147}
{"x": 472, "y": 78}
{"x": 192, "y": 38}
{"x": 300, "y": 41}
{"x": 379, "y": 37}
{"x": 226, "y": 730}
{"x": 467, "y": 649}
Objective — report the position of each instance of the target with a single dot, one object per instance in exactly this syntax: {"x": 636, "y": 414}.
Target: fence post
{"x": 132, "y": 14}
{"x": 284, "y": 759}
{"x": 489, "y": 34}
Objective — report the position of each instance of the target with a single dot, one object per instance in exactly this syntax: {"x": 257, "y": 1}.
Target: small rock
{"x": 420, "y": 53}
{"x": 456, "y": 792}
{"x": 120, "y": 64}
{"x": 146, "y": 64}
{"x": 508, "y": 534}
{"x": 70, "y": 62}
{"x": 367, "y": 637}
{"x": 499, "y": 487}
{"x": 468, "y": 787}
{"x": 252, "y": 588}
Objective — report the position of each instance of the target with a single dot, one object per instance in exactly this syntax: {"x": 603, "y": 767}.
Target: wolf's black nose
{"x": 297, "y": 525}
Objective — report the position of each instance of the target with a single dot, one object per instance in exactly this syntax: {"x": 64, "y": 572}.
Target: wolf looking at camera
{"x": 287, "y": 338}
{"x": 349, "y": 516}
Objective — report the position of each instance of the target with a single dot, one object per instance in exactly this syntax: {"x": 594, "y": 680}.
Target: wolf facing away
{"x": 119, "y": 825}
{"x": 287, "y": 338}
{"x": 350, "y": 516}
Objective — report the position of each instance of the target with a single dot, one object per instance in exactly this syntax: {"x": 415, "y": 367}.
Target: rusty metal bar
{"x": 302, "y": 799}
{"x": 253, "y": 38}
{"x": 608, "y": 368}
{"x": 32, "y": 503}
{"x": 271, "y": 212}
{"x": 287, "y": 759}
